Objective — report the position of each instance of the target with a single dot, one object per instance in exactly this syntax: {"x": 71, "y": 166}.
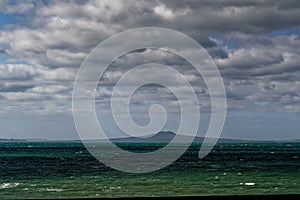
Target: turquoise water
{"x": 67, "y": 170}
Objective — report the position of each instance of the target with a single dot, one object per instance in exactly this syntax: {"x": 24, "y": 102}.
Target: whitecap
{"x": 8, "y": 185}
{"x": 249, "y": 183}
{"x": 53, "y": 189}
{"x": 114, "y": 188}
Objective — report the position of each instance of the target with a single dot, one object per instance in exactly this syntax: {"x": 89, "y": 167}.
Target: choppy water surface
{"x": 60, "y": 170}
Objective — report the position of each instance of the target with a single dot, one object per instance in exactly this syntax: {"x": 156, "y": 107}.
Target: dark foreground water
{"x": 67, "y": 170}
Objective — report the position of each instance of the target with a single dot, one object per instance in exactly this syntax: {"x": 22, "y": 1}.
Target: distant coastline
{"x": 163, "y": 136}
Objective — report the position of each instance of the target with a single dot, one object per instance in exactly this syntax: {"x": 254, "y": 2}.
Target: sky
{"x": 254, "y": 43}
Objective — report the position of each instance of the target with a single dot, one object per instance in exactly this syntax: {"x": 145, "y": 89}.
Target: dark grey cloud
{"x": 242, "y": 16}
{"x": 3, "y": 51}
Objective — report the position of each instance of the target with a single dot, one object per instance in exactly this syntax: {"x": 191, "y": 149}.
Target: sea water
{"x": 67, "y": 170}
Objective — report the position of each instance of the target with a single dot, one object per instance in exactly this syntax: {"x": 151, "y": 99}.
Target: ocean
{"x": 67, "y": 170}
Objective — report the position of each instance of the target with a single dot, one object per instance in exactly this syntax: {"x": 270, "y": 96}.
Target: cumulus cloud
{"x": 255, "y": 44}
{"x": 17, "y": 72}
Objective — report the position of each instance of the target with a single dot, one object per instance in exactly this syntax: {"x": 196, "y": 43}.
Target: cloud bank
{"x": 255, "y": 45}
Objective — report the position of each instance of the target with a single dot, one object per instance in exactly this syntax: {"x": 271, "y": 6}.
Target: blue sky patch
{"x": 7, "y": 19}
{"x": 229, "y": 44}
{"x": 275, "y": 33}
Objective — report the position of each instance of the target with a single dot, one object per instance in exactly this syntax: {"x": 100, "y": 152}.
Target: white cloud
{"x": 163, "y": 11}
{"x": 167, "y": 13}
{"x": 55, "y": 38}
{"x": 52, "y": 89}
{"x": 58, "y": 74}
{"x": 17, "y": 71}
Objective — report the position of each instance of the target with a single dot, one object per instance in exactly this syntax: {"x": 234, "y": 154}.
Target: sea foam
{"x": 8, "y": 185}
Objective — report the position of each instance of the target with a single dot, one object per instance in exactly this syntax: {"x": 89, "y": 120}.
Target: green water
{"x": 67, "y": 170}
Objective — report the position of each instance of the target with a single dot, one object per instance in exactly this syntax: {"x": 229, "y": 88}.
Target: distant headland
{"x": 162, "y": 136}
